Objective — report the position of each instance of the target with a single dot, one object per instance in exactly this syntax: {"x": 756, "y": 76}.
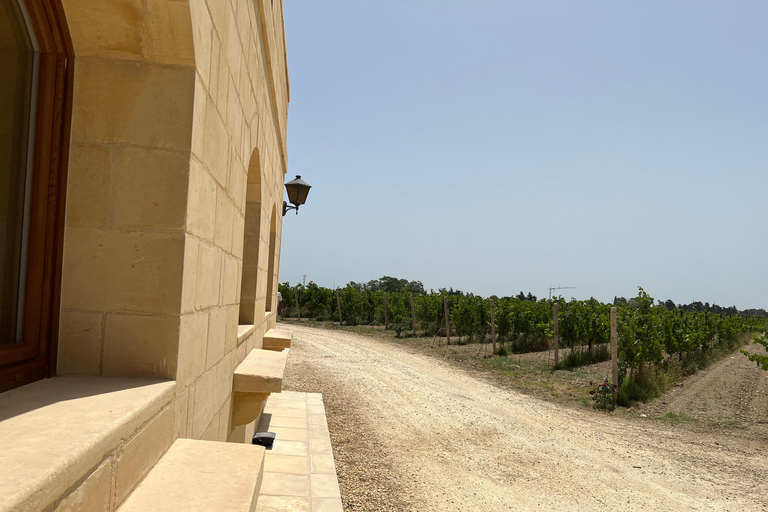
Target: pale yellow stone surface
{"x": 88, "y": 183}
{"x": 111, "y": 29}
{"x": 217, "y": 329}
{"x": 80, "y": 343}
{"x": 140, "y": 346}
{"x": 193, "y": 341}
{"x": 283, "y": 504}
{"x": 89, "y": 417}
{"x": 286, "y": 464}
{"x": 142, "y": 452}
{"x": 201, "y": 215}
{"x": 150, "y": 188}
{"x": 106, "y": 270}
{"x": 208, "y": 276}
{"x": 327, "y": 505}
{"x": 189, "y": 275}
{"x": 282, "y": 484}
{"x": 132, "y": 102}
{"x": 171, "y": 27}
{"x": 205, "y": 406}
{"x": 93, "y": 495}
{"x": 290, "y": 457}
{"x": 275, "y": 339}
{"x": 201, "y": 476}
{"x": 181, "y": 414}
{"x": 260, "y": 372}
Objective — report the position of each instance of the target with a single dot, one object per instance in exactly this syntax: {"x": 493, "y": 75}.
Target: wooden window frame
{"x": 35, "y": 357}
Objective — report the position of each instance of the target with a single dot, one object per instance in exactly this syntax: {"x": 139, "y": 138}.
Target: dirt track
{"x": 412, "y": 433}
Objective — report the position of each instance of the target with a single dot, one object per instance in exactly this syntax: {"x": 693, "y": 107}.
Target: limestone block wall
{"x": 179, "y": 124}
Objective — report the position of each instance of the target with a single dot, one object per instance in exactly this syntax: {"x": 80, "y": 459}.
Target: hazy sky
{"x": 495, "y": 146}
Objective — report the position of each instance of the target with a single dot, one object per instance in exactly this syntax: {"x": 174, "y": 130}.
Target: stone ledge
{"x": 55, "y": 432}
{"x": 277, "y": 339}
{"x": 260, "y": 374}
{"x": 243, "y": 331}
{"x": 201, "y": 476}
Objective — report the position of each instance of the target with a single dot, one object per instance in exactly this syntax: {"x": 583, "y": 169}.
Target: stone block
{"x": 150, "y": 188}
{"x": 238, "y": 228}
{"x": 198, "y": 118}
{"x": 201, "y": 38}
{"x": 281, "y": 484}
{"x": 283, "y": 504}
{"x": 216, "y": 150}
{"x": 202, "y": 476}
{"x": 88, "y": 182}
{"x": 230, "y": 284}
{"x": 189, "y": 275}
{"x": 133, "y": 102}
{"x": 93, "y": 495}
{"x": 233, "y": 316}
{"x": 212, "y": 432}
{"x": 208, "y": 276}
{"x": 217, "y": 330}
{"x": 106, "y": 270}
{"x": 225, "y": 414}
{"x": 80, "y": 343}
{"x": 225, "y": 210}
{"x": 171, "y": 25}
{"x": 193, "y": 341}
{"x": 140, "y": 346}
{"x": 224, "y": 374}
{"x": 142, "y": 452}
{"x": 181, "y": 405}
{"x": 205, "y": 407}
{"x": 109, "y": 29}
{"x": 201, "y": 212}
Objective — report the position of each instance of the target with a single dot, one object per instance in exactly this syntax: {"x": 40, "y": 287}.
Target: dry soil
{"x": 411, "y": 432}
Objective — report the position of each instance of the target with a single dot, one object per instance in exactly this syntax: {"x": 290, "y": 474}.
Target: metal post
{"x": 493, "y": 328}
{"x": 614, "y": 348}
{"x": 338, "y": 305}
{"x": 447, "y": 323}
{"x": 557, "y": 341}
{"x": 413, "y": 317}
{"x": 386, "y": 313}
{"x": 296, "y": 295}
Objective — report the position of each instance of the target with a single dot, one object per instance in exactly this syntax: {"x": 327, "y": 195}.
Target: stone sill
{"x": 56, "y": 431}
{"x": 201, "y": 476}
{"x": 243, "y": 331}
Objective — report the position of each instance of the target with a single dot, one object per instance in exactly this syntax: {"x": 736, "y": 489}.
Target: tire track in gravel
{"x": 413, "y": 433}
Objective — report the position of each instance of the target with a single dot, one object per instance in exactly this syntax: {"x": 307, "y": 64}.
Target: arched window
{"x": 251, "y": 242}
{"x": 35, "y": 112}
{"x": 271, "y": 274}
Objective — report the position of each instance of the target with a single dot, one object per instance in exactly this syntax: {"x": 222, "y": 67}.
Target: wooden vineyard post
{"x": 614, "y": 349}
{"x": 557, "y": 342}
{"x": 386, "y": 313}
{"x": 338, "y": 305}
{"x": 296, "y": 295}
{"x": 447, "y": 323}
{"x": 493, "y": 328}
{"x": 413, "y": 317}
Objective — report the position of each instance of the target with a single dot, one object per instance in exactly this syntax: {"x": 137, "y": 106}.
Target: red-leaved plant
{"x": 603, "y": 394}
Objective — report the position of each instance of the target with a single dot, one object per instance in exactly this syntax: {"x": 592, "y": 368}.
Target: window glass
{"x": 17, "y": 67}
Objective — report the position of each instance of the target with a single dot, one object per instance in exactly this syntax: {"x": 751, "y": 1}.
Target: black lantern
{"x": 297, "y": 190}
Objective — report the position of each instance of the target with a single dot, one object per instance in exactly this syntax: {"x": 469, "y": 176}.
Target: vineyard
{"x": 656, "y": 343}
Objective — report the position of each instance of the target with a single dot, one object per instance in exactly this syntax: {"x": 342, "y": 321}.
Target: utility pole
{"x": 558, "y": 287}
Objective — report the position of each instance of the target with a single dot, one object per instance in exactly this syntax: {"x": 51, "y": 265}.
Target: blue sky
{"x": 498, "y": 146}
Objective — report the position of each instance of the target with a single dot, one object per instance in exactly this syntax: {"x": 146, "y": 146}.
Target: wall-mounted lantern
{"x": 297, "y": 190}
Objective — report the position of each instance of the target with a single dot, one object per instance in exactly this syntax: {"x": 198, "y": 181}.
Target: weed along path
{"x": 411, "y": 432}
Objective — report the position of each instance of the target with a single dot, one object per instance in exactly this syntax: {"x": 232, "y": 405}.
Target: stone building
{"x": 142, "y": 162}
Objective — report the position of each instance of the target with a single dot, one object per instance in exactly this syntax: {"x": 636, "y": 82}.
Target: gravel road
{"x": 413, "y": 433}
